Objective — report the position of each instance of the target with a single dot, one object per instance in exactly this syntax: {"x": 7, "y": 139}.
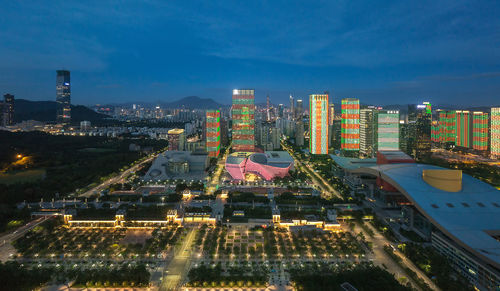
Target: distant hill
{"x": 193, "y": 102}
{"x": 46, "y": 111}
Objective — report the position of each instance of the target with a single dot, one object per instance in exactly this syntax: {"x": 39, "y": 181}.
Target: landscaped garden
{"x": 57, "y": 242}
{"x": 221, "y": 243}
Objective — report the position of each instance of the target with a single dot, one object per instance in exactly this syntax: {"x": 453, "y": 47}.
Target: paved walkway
{"x": 177, "y": 269}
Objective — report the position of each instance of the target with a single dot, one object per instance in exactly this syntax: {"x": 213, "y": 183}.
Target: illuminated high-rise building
{"x": 463, "y": 129}
{"x": 213, "y": 133}
{"x": 8, "y": 110}
{"x": 388, "y": 130}
{"x": 436, "y": 132}
{"x": 480, "y": 131}
{"x": 350, "y": 124}
{"x": 495, "y": 132}
{"x": 331, "y": 113}
{"x": 368, "y": 132}
{"x": 292, "y": 106}
{"x": 63, "y": 96}
{"x": 448, "y": 123}
{"x": 318, "y": 124}
{"x": 242, "y": 111}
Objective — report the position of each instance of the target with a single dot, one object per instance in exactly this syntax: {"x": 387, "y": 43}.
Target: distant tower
{"x": 480, "y": 131}
{"x": 63, "y": 96}
{"x": 268, "y": 109}
{"x": 292, "y": 106}
{"x": 331, "y": 113}
{"x": 213, "y": 133}
{"x": 8, "y": 109}
{"x": 300, "y": 108}
{"x": 495, "y": 132}
{"x": 318, "y": 124}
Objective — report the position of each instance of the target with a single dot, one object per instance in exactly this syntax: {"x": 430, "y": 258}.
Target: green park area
{"x": 363, "y": 276}
{"x": 22, "y": 176}
{"x": 17, "y": 276}
{"x": 36, "y": 165}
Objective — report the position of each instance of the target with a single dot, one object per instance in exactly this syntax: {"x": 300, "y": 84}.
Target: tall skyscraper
{"x": 213, "y": 133}
{"x": 331, "y": 113}
{"x": 318, "y": 124}
{"x": 480, "y": 131}
{"x": 419, "y": 130}
{"x": 388, "y": 130}
{"x": 280, "y": 110}
{"x": 242, "y": 112}
{"x": 292, "y": 106}
{"x": 367, "y": 132}
{"x": 495, "y": 132}
{"x": 8, "y": 109}
{"x": 350, "y": 124}
{"x": 300, "y": 108}
{"x": 299, "y": 133}
{"x": 268, "y": 109}
{"x": 63, "y": 96}
{"x": 463, "y": 129}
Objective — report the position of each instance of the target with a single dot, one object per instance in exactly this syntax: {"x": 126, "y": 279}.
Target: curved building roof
{"x": 470, "y": 216}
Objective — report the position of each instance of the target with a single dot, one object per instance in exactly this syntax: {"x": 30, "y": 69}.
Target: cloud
{"x": 346, "y": 34}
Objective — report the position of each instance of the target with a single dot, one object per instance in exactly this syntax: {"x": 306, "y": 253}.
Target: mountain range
{"x": 46, "y": 111}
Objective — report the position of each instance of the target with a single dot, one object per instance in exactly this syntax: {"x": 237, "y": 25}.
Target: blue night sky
{"x": 383, "y": 52}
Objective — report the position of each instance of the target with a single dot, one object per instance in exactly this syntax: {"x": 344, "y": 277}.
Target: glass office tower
{"x": 63, "y": 96}
{"x": 368, "y": 132}
{"x": 388, "y": 130}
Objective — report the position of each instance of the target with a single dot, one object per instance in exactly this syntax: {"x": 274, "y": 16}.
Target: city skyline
{"x": 441, "y": 52}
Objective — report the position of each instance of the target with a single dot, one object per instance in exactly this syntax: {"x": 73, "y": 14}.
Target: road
{"x": 214, "y": 182}
{"x": 177, "y": 269}
{"x": 315, "y": 177}
{"x": 6, "y": 240}
{"x": 381, "y": 257}
{"x": 116, "y": 179}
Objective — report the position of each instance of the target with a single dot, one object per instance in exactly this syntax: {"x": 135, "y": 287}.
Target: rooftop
{"x": 353, "y": 163}
{"x": 469, "y": 216}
